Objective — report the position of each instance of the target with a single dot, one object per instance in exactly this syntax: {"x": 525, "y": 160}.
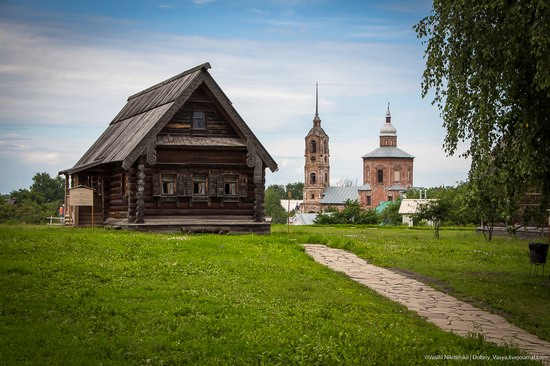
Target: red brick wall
{"x": 389, "y": 167}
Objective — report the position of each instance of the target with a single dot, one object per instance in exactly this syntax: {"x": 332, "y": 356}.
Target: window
{"x": 199, "y": 185}
{"x": 390, "y": 198}
{"x": 230, "y": 185}
{"x": 380, "y": 174}
{"x": 199, "y": 121}
{"x": 168, "y": 184}
{"x": 312, "y": 178}
{"x": 369, "y": 200}
{"x": 313, "y": 146}
{"x": 313, "y": 196}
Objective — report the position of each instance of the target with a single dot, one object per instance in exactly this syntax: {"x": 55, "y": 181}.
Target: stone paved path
{"x": 443, "y": 310}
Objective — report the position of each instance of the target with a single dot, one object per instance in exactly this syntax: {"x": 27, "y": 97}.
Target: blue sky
{"x": 68, "y": 66}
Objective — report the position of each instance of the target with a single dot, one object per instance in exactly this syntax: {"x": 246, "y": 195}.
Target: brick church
{"x": 387, "y": 170}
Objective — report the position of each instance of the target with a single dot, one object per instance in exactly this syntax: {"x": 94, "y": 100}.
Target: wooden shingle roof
{"x": 145, "y": 114}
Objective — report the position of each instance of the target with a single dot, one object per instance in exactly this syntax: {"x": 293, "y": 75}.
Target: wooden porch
{"x": 195, "y": 225}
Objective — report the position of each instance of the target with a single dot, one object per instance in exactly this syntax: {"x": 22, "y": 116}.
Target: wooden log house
{"x": 177, "y": 157}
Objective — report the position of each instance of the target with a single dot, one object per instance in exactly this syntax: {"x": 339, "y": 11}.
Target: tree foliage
{"x": 296, "y": 189}
{"x": 488, "y": 64}
{"x": 273, "y": 206}
{"x": 52, "y": 189}
{"x": 390, "y": 215}
{"x": 351, "y": 214}
{"x": 33, "y": 205}
{"x": 435, "y": 211}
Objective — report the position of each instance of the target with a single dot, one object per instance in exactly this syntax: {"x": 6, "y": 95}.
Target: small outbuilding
{"x": 410, "y": 207}
{"x": 178, "y": 156}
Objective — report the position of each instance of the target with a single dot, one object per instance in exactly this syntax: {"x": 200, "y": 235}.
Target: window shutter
{"x": 221, "y": 186}
{"x": 156, "y": 185}
{"x": 185, "y": 184}
{"x": 212, "y": 184}
{"x": 180, "y": 187}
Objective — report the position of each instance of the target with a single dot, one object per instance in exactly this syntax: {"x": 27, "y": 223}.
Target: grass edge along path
{"x": 91, "y": 296}
{"x": 494, "y": 276}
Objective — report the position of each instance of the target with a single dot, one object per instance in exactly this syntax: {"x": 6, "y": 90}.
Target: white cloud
{"x": 79, "y": 85}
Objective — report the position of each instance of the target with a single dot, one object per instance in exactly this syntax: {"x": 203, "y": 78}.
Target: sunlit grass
{"x": 83, "y": 296}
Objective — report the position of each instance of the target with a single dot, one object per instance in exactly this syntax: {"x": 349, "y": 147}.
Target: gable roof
{"x": 388, "y": 152}
{"x": 146, "y": 113}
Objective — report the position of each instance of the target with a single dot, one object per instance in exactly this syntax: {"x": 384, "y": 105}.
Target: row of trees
{"x": 277, "y": 192}
{"x": 33, "y": 205}
{"x": 466, "y": 204}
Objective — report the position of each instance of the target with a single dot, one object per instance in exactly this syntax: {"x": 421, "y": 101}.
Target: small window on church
{"x": 380, "y": 174}
{"x": 312, "y": 178}
{"x": 313, "y": 147}
{"x": 199, "y": 121}
{"x": 369, "y": 200}
{"x": 313, "y": 196}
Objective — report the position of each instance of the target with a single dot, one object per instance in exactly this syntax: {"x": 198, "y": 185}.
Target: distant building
{"x": 387, "y": 171}
{"x": 410, "y": 207}
{"x": 317, "y": 163}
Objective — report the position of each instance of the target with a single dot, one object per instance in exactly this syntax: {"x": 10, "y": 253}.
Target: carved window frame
{"x": 231, "y": 185}
{"x": 200, "y": 184}
{"x": 168, "y": 184}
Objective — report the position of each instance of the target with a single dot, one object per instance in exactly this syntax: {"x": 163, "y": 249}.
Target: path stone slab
{"x": 447, "y": 312}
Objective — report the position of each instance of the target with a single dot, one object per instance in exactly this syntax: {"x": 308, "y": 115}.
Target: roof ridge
{"x": 204, "y": 66}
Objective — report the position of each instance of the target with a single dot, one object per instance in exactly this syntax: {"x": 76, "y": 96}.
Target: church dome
{"x": 388, "y": 130}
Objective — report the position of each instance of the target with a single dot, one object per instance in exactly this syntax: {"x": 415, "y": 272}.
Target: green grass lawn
{"x": 93, "y": 296}
{"x": 491, "y": 275}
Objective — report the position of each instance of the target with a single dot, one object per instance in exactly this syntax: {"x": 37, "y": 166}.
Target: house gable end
{"x": 150, "y": 138}
{"x": 256, "y": 151}
{"x": 201, "y": 116}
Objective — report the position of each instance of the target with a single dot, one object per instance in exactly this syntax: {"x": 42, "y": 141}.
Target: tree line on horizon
{"x": 33, "y": 205}
{"x": 460, "y": 205}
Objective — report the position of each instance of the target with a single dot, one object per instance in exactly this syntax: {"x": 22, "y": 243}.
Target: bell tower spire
{"x": 317, "y": 165}
{"x": 316, "y": 119}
